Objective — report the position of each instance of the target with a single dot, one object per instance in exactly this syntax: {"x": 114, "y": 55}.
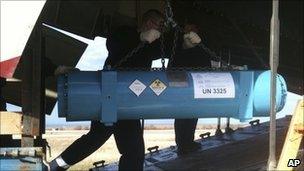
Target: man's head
{"x": 152, "y": 19}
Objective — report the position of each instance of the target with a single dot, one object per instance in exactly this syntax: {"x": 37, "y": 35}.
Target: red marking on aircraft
{"x": 8, "y": 67}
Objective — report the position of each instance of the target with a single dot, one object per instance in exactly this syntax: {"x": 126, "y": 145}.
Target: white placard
{"x": 137, "y": 87}
{"x": 213, "y": 85}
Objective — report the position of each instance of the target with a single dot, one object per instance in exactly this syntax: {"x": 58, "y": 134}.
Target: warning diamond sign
{"x": 158, "y": 87}
{"x": 137, "y": 87}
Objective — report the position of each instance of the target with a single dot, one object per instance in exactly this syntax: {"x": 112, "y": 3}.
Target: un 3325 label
{"x": 214, "y": 91}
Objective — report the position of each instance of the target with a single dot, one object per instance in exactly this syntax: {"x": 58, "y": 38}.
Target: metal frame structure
{"x": 33, "y": 98}
{"x": 274, "y": 62}
{"x": 33, "y": 93}
{"x": 29, "y": 152}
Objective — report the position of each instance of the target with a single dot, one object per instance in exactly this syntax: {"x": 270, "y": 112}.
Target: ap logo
{"x": 293, "y": 162}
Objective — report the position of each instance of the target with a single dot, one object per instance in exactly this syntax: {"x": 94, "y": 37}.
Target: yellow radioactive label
{"x": 157, "y": 86}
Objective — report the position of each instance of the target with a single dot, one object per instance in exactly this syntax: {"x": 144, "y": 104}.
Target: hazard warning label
{"x": 137, "y": 87}
{"x": 158, "y": 87}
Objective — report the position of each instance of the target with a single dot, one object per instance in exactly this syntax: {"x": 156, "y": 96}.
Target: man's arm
{"x": 124, "y": 40}
{"x": 190, "y": 54}
{"x": 120, "y": 43}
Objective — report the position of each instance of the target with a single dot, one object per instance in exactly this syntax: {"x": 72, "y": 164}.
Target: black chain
{"x": 162, "y": 49}
{"x": 173, "y": 50}
{"x": 131, "y": 53}
{"x": 169, "y": 15}
{"x": 212, "y": 54}
{"x": 177, "y": 30}
{"x": 169, "y": 21}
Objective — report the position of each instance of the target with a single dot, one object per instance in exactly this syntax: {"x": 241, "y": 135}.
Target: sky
{"x": 17, "y": 21}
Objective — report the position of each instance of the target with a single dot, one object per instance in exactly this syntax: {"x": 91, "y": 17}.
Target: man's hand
{"x": 149, "y": 36}
{"x": 63, "y": 70}
{"x": 191, "y": 39}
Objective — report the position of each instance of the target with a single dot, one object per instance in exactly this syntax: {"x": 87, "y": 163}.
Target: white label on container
{"x": 213, "y": 85}
{"x": 137, "y": 87}
{"x": 158, "y": 87}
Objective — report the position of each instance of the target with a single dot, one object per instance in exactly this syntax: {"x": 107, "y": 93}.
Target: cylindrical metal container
{"x": 109, "y": 95}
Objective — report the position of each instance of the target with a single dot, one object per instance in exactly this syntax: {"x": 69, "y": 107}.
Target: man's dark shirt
{"x": 122, "y": 41}
{"x": 192, "y": 57}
